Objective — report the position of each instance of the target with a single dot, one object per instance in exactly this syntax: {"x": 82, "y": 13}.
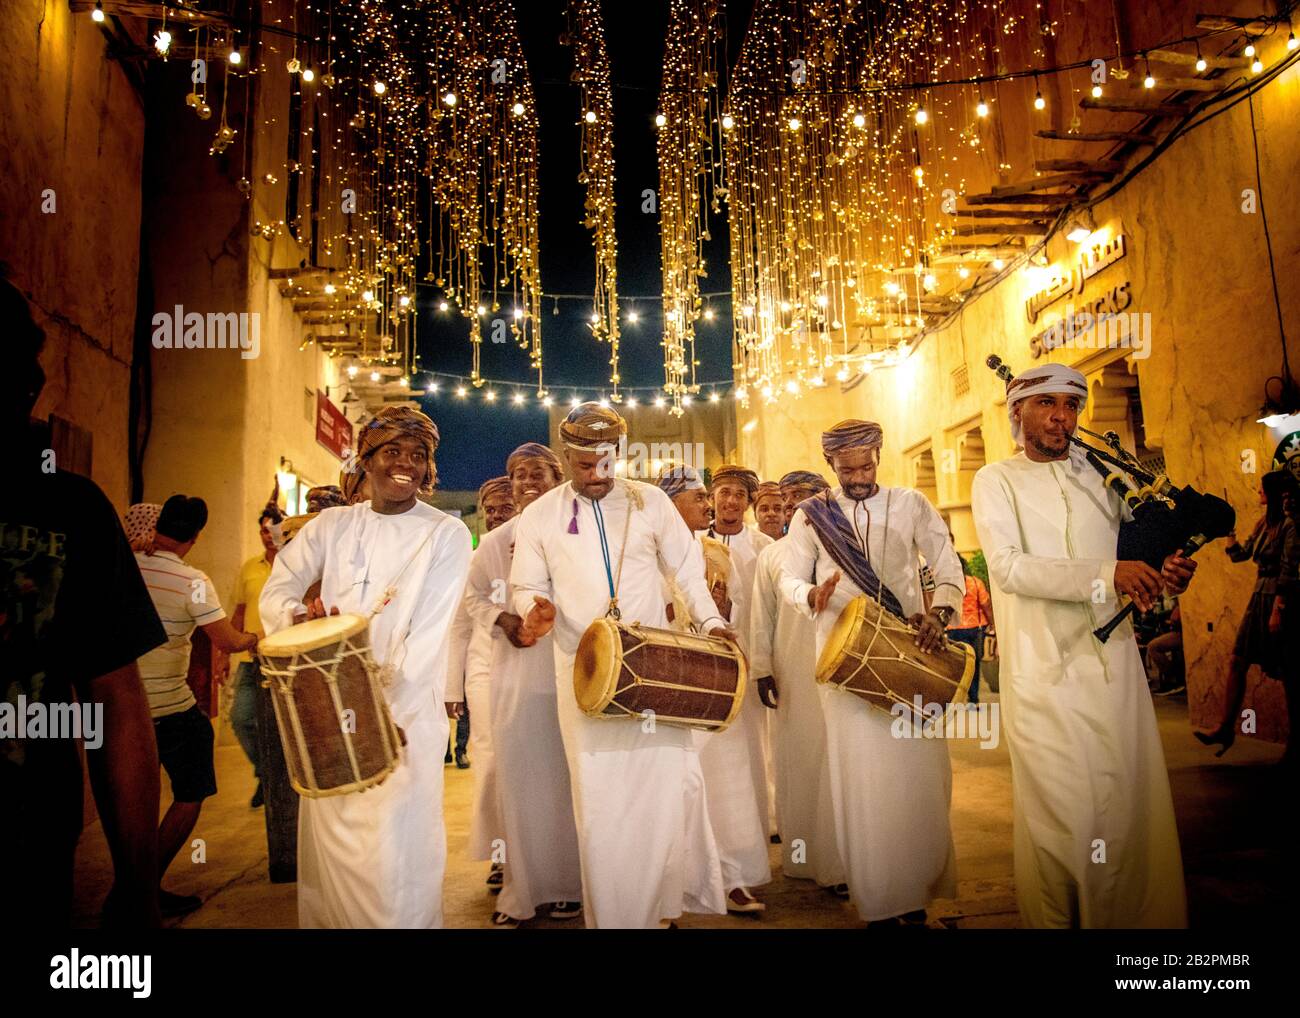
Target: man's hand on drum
{"x": 723, "y": 631}
{"x": 315, "y": 610}
{"x": 538, "y": 622}
{"x": 513, "y": 626}
{"x": 819, "y": 597}
{"x": 929, "y": 631}
{"x": 767, "y": 691}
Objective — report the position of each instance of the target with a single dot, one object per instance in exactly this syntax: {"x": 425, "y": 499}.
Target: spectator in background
{"x": 1256, "y": 643}
{"x": 974, "y": 621}
{"x": 184, "y": 598}
{"x": 252, "y": 578}
{"x": 74, "y": 616}
{"x": 1165, "y": 652}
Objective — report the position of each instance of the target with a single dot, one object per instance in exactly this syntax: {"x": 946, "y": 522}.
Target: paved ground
{"x": 1232, "y": 816}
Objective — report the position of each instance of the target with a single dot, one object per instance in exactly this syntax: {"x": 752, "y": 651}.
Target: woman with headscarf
{"x": 376, "y": 859}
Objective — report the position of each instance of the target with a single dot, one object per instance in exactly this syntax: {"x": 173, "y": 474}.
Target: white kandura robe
{"x": 375, "y": 859}
{"x": 735, "y": 769}
{"x": 472, "y": 636}
{"x": 783, "y": 644}
{"x": 890, "y": 795}
{"x": 1086, "y": 759}
{"x": 534, "y": 803}
{"x": 646, "y": 848}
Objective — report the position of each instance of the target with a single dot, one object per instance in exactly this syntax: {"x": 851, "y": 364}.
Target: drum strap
{"x": 615, "y": 578}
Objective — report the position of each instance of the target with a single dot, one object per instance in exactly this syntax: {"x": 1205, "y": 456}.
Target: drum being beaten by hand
{"x": 635, "y": 671}
{"x": 873, "y": 654}
{"x": 337, "y": 733}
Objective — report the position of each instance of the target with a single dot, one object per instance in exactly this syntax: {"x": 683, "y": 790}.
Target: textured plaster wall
{"x": 70, "y": 120}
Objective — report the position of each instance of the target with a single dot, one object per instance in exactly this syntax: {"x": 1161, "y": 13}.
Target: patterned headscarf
{"x": 732, "y": 472}
{"x": 141, "y": 521}
{"x": 495, "y": 486}
{"x": 1037, "y": 381}
{"x": 767, "y": 488}
{"x": 590, "y": 425}
{"x": 535, "y": 451}
{"x": 324, "y": 496}
{"x": 676, "y": 478}
{"x": 851, "y": 434}
{"x": 390, "y": 424}
{"x": 804, "y": 479}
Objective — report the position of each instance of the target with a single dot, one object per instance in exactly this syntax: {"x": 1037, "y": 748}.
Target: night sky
{"x": 476, "y": 436}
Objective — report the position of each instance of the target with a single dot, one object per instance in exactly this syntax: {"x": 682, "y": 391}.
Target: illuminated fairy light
{"x": 859, "y": 121}
{"x": 374, "y": 376}
{"x": 97, "y": 15}
{"x": 162, "y": 42}
{"x": 460, "y": 391}
{"x": 442, "y": 305}
{"x": 517, "y": 109}
{"x": 518, "y": 398}
{"x": 330, "y": 289}
{"x": 981, "y": 109}
{"x": 922, "y": 117}
{"x": 380, "y": 88}
{"x": 728, "y": 122}
{"x": 308, "y": 75}
{"x": 490, "y": 395}
{"x": 449, "y": 99}
{"x": 235, "y": 57}
{"x": 352, "y": 371}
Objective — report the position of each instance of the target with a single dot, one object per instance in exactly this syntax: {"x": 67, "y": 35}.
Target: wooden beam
{"x": 1132, "y": 137}
{"x": 1124, "y": 106}
{"x": 1172, "y": 56}
{"x": 1009, "y": 229}
{"x": 1022, "y": 199}
{"x": 1182, "y": 84}
{"x": 1005, "y": 250}
{"x": 1107, "y": 166}
{"x": 1054, "y": 180}
{"x": 1228, "y": 23}
{"x": 150, "y": 9}
{"x": 1000, "y": 213}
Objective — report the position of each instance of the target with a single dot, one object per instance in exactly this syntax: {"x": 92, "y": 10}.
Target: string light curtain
{"x": 839, "y": 163}
{"x": 482, "y": 169}
{"x": 690, "y": 177}
{"x": 585, "y": 34}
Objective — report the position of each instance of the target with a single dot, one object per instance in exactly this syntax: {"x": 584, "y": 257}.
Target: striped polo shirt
{"x": 184, "y": 598}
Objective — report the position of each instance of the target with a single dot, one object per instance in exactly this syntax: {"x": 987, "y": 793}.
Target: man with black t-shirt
{"x": 74, "y": 617}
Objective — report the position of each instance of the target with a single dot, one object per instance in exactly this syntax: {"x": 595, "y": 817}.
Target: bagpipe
{"x": 1165, "y": 518}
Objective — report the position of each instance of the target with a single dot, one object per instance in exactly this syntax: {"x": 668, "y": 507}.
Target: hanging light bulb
{"x": 460, "y": 391}
{"x": 235, "y": 56}
{"x": 380, "y": 88}
{"x": 962, "y": 272}
{"x": 660, "y": 120}
{"x": 1201, "y": 63}
{"x": 1256, "y": 66}
{"x": 859, "y": 121}
{"x": 708, "y": 314}
{"x": 490, "y": 395}
{"x": 517, "y": 109}
{"x": 1096, "y": 91}
{"x": 795, "y": 123}
{"x": 97, "y": 15}
{"x": 659, "y": 401}
{"x": 162, "y": 42}
{"x": 1291, "y": 43}
{"x": 998, "y": 265}
{"x": 368, "y": 295}
{"x": 1249, "y": 50}
{"x": 922, "y": 116}
{"x": 449, "y": 99}
{"x": 714, "y": 397}
{"x": 981, "y": 109}
{"x": 1039, "y": 102}
{"x": 432, "y": 390}
{"x": 590, "y": 116}
{"x": 308, "y": 75}
{"x": 352, "y": 371}
{"x": 518, "y": 398}
{"x": 632, "y": 317}
{"x": 330, "y": 289}
{"x": 1148, "y": 81}
{"x": 374, "y": 376}
{"x": 631, "y": 403}
{"x": 404, "y": 300}
{"x": 728, "y": 122}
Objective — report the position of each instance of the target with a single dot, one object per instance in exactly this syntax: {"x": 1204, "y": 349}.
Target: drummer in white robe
{"x": 1095, "y": 840}
{"x": 534, "y": 800}
{"x": 890, "y": 795}
{"x": 646, "y": 847}
{"x": 782, "y": 656}
{"x": 735, "y": 776}
{"x": 469, "y": 675}
{"x": 375, "y": 859}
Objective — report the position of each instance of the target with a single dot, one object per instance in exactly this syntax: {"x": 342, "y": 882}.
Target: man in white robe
{"x": 782, "y": 656}
{"x": 891, "y": 795}
{"x": 646, "y": 848}
{"x": 375, "y": 859}
{"x": 469, "y": 684}
{"x": 735, "y": 776}
{"x": 534, "y": 801}
{"x": 1095, "y": 840}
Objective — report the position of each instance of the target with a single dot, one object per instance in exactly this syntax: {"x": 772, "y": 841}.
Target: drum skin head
{"x": 596, "y": 666}
{"x": 310, "y": 635}
{"x": 843, "y": 635}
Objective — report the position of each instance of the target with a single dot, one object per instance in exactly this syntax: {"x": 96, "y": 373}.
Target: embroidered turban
{"x": 534, "y": 451}
{"x": 390, "y": 424}
{"x": 675, "y": 479}
{"x": 851, "y": 434}
{"x": 590, "y": 426}
{"x": 1046, "y": 378}
{"x": 736, "y": 474}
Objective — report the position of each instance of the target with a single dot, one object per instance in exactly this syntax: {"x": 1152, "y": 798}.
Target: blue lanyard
{"x": 604, "y": 552}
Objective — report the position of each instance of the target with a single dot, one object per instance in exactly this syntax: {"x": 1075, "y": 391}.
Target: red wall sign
{"x": 333, "y": 430}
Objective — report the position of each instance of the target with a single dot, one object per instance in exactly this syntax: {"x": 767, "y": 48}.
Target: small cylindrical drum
{"x": 873, "y": 654}
{"x": 685, "y": 679}
{"x": 334, "y": 723}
